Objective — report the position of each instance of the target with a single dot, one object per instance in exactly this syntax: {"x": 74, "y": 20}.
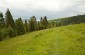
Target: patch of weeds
{"x": 61, "y": 29}
{"x": 83, "y": 32}
{"x": 79, "y": 46}
{"x": 81, "y": 39}
{"x": 38, "y": 35}
{"x": 31, "y": 49}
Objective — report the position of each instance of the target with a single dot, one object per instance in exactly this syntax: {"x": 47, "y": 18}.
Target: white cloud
{"x": 49, "y": 5}
{"x": 52, "y": 5}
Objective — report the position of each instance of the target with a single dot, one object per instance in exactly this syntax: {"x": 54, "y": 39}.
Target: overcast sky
{"x": 50, "y": 8}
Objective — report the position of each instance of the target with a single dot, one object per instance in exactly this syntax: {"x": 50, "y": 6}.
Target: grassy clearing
{"x": 66, "y": 40}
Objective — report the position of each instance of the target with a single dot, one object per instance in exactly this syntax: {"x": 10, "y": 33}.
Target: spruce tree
{"x": 41, "y": 23}
{"x": 32, "y": 24}
{"x": 45, "y": 22}
{"x": 9, "y": 19}
{"x": 19, "y": 26}
{"x": 26, "y": 26}
{"x": 38, "y": 25}
{"x": 1, "y": 20}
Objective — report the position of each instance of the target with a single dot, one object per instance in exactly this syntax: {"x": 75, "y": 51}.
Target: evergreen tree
{"x": 41, "y": 23}
{"x": 1, "y": 14}
{"x": 32, "y": 24}
{"x": 19, "y": 26}
{"x": 26, "y": 26}
{"x": 4, "y": 32}
{"x": 38, "y": 26}
{"x": 1, "y": 38}
{"x": 11, "y": 32}
{"x": 45, "y": 22}
{"x": 1, "y": 20}
{"x": 9, "y": 19}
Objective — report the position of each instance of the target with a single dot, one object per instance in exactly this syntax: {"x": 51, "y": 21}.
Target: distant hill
{"x": 69, "y": 20}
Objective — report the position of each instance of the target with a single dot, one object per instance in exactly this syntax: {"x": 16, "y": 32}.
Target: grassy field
{"x": 65, "y": 40}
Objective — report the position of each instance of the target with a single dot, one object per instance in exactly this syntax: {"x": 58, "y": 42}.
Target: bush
{"x": 4, "y": 32}
{"x": 1, "y": 38}
{"x": 11, "y": 32}
{"x": 7, "y": 33}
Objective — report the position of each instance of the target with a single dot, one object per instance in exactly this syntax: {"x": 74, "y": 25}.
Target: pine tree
{"x": 9, "y": 19}
{"x": 26, "y": 26}
{"x": 11, "y": 32}
{"x": 32, "y": 24}
{"x": 41, "y": 23}
{"x": 45, "y": 22}
{"x": 19, "y": 26}
{"x": 1, "y": 20}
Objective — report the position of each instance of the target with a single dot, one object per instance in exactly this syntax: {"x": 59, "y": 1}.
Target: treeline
{"x": 68, "y": 21}
{"x": 10, "y": 28}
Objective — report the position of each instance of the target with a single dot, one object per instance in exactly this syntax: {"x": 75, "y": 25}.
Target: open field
{"x": 65, "y": 40}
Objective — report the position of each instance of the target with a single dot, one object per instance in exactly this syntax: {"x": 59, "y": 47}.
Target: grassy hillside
{"x": 66, "y": 40}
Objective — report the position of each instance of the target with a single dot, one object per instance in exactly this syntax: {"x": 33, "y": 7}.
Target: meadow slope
{"x": 65, "y": 40}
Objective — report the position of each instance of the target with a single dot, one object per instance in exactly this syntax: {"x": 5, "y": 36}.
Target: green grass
{"x": 65, "y": 40}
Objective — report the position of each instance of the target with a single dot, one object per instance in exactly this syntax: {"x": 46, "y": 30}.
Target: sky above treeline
{"x": 50, "y": 8}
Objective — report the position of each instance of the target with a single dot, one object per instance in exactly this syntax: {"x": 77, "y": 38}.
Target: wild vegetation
{"x": 11, "y": 28}
{"x": 28, "y": 40}
{"x": 66, "y": 40}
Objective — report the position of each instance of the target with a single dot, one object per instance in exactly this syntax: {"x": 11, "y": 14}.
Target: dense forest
{"x": 11, "y": 28}
{"x": 68, "y": 20}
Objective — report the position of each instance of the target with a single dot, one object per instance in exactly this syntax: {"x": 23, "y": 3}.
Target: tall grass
{"x": 65, "y": 40}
